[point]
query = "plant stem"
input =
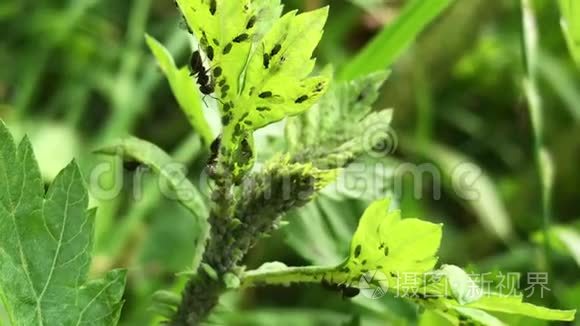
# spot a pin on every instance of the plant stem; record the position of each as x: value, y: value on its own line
x: 122, y: 233
x: 307, y: 274
x: 542, y: 157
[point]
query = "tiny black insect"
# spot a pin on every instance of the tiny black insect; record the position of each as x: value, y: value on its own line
x: 357, y: 251
x: 214, y: 152
x: 265, y: 94
x: 209, y: 52
x: 212, y: 7
x: 276, y: 50
x: 246, y: 150
x: 347, y: 291
x: 301, y: 99
x: 266, y: 60
x: 251, y: 22
x: 241, y: 38
x: 227, y: 48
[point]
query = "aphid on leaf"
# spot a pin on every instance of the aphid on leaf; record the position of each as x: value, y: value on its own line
x: 209, y: 53
x: 357, y: 251
x: 246, y: 149
x: 301, y: 99
x: 241, y: 38
x: 214, y: 152
x: 265, y: 94
x: 227, y: 48
x: 266, y: 60
x: 251, y: 22
x: 212, y: 7
x: 276, y: 50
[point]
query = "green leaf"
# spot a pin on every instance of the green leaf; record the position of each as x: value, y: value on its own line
x: 394, y: 39
x: 514, y: 305
x: 46, y: 243
x: 184, y: 191
x: 467, y: 294
x: 571, y: 26
x: 478, y: 316
x: 183, y: 88
x: 382, y: 242
x: 385, y: 242
x: 342, y: 125
x: 260, y: 66
x: 407, y: 247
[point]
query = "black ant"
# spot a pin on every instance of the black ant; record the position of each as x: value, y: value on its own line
x: 205, y: 81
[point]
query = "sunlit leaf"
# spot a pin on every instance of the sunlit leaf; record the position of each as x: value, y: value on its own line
x: 384, y: 242
x: 400, y: 248
x: 260, y: 75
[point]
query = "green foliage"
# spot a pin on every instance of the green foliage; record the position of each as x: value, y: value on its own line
x: 46, y: 243
x: 564, y: 239
x: 388, y: 45
x: 259, y: 66
x: 341, y: 127
x: 406, y: 248
x: 571, y: 26
x: 385, y: 242
x: 83, y: 71
x: 134, y: 149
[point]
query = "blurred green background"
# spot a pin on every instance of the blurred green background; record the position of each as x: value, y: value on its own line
x: 75, y: 74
